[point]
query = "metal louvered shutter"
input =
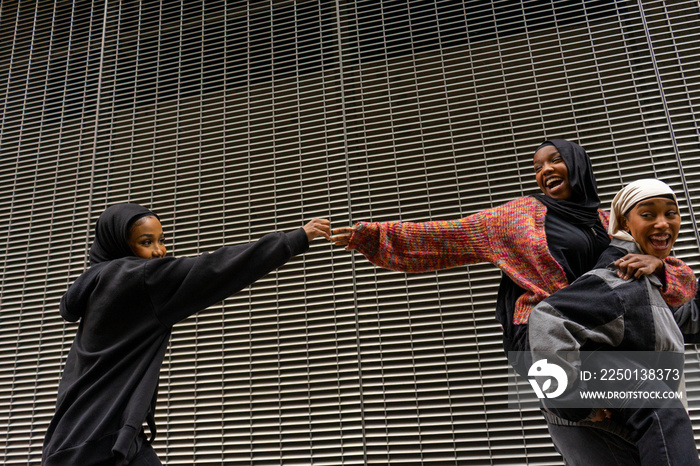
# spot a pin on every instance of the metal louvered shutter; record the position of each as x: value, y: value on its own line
x: 235, y: 119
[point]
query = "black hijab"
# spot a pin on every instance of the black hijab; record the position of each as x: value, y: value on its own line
x: 568, y: 225
x: 582, y: 207
x: 112, y: 230
x: 568, y: 220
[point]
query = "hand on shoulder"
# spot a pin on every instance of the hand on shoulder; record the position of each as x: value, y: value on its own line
x: 638, y: 265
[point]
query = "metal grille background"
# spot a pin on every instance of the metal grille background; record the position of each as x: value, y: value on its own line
x: 235, y: 119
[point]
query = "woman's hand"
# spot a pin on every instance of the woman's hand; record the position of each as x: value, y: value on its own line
x: 637, y: 265
x: 342, y: 236
x: 318, y: 227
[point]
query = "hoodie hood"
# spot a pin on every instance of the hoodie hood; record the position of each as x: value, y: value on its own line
x: 112, y: 229
x: 111, y: 242
x: 74, y: 303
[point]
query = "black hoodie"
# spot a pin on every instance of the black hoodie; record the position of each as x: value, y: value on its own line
x: 127, y: 307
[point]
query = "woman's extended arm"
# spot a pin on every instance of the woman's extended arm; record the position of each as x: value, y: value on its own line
x: 510, y: 236
x: 419, y: 247
x: 179, y: 287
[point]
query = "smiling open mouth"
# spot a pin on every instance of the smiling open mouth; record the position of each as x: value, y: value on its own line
x: 659, y: 242
x: 554, y: 182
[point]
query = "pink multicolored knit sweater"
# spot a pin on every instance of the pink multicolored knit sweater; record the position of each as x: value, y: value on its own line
x: 510, y: 236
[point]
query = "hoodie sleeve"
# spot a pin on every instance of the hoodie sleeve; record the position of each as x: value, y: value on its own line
x: 180, y: 287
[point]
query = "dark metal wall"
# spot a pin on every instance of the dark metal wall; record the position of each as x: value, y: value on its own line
x: 235, y: 119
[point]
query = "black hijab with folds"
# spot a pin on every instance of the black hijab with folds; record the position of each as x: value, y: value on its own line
x: 574, y: 232
x: 112, y: 232
x: 582, y: 207
x: 575, y: 235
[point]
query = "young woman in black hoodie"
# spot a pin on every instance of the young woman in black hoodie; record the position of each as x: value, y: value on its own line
x: 127, y: 303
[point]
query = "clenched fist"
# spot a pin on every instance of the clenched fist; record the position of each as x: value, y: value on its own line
x: 318, y: 227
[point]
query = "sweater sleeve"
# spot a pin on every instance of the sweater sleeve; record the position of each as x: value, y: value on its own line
x: 510, y: 236
x: 422, y: 247
x: 180, y: 287
x: 680, y: 282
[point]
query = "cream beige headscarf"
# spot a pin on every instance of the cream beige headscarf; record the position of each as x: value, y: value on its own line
x: 629, y: 196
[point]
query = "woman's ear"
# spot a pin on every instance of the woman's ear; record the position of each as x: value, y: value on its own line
x: 622, y: 220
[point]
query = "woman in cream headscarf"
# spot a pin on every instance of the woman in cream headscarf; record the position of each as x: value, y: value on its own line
x: 632, y: 196
x: 603, y: 312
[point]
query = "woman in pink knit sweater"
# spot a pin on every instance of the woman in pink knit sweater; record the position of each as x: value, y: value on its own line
x: 540, y: 242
